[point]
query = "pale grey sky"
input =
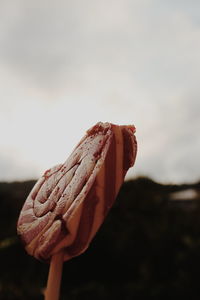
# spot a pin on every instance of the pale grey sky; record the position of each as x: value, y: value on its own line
x: 65, y: 65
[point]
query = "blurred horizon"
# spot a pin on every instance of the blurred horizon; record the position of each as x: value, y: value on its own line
x: 66, y: 65
x: 148, y: 244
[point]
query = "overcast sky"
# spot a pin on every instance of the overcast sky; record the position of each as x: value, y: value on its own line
x: 65, y: 65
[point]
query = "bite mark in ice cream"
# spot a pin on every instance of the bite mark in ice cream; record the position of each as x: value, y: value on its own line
x: 70, y: 201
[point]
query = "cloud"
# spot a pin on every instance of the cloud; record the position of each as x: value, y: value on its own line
x: 145, y: 39
x: 14, y: 166
x: 69, y: 64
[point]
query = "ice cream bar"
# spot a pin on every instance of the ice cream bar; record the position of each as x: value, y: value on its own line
x: 70, y: 201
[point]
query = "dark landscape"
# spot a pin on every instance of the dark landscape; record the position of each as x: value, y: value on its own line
x: 149, y: 245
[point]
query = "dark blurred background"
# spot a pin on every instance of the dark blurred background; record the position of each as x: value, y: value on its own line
x: 149, y: 245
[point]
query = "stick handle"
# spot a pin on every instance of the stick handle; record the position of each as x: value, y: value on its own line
x: 54, y: 278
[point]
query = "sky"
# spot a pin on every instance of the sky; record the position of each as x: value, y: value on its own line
x: 65, y: 65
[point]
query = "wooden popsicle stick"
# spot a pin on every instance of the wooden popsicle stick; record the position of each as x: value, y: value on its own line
x: 55, y: 274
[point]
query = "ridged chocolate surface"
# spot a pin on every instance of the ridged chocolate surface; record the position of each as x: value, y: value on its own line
x: 70, y: 201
